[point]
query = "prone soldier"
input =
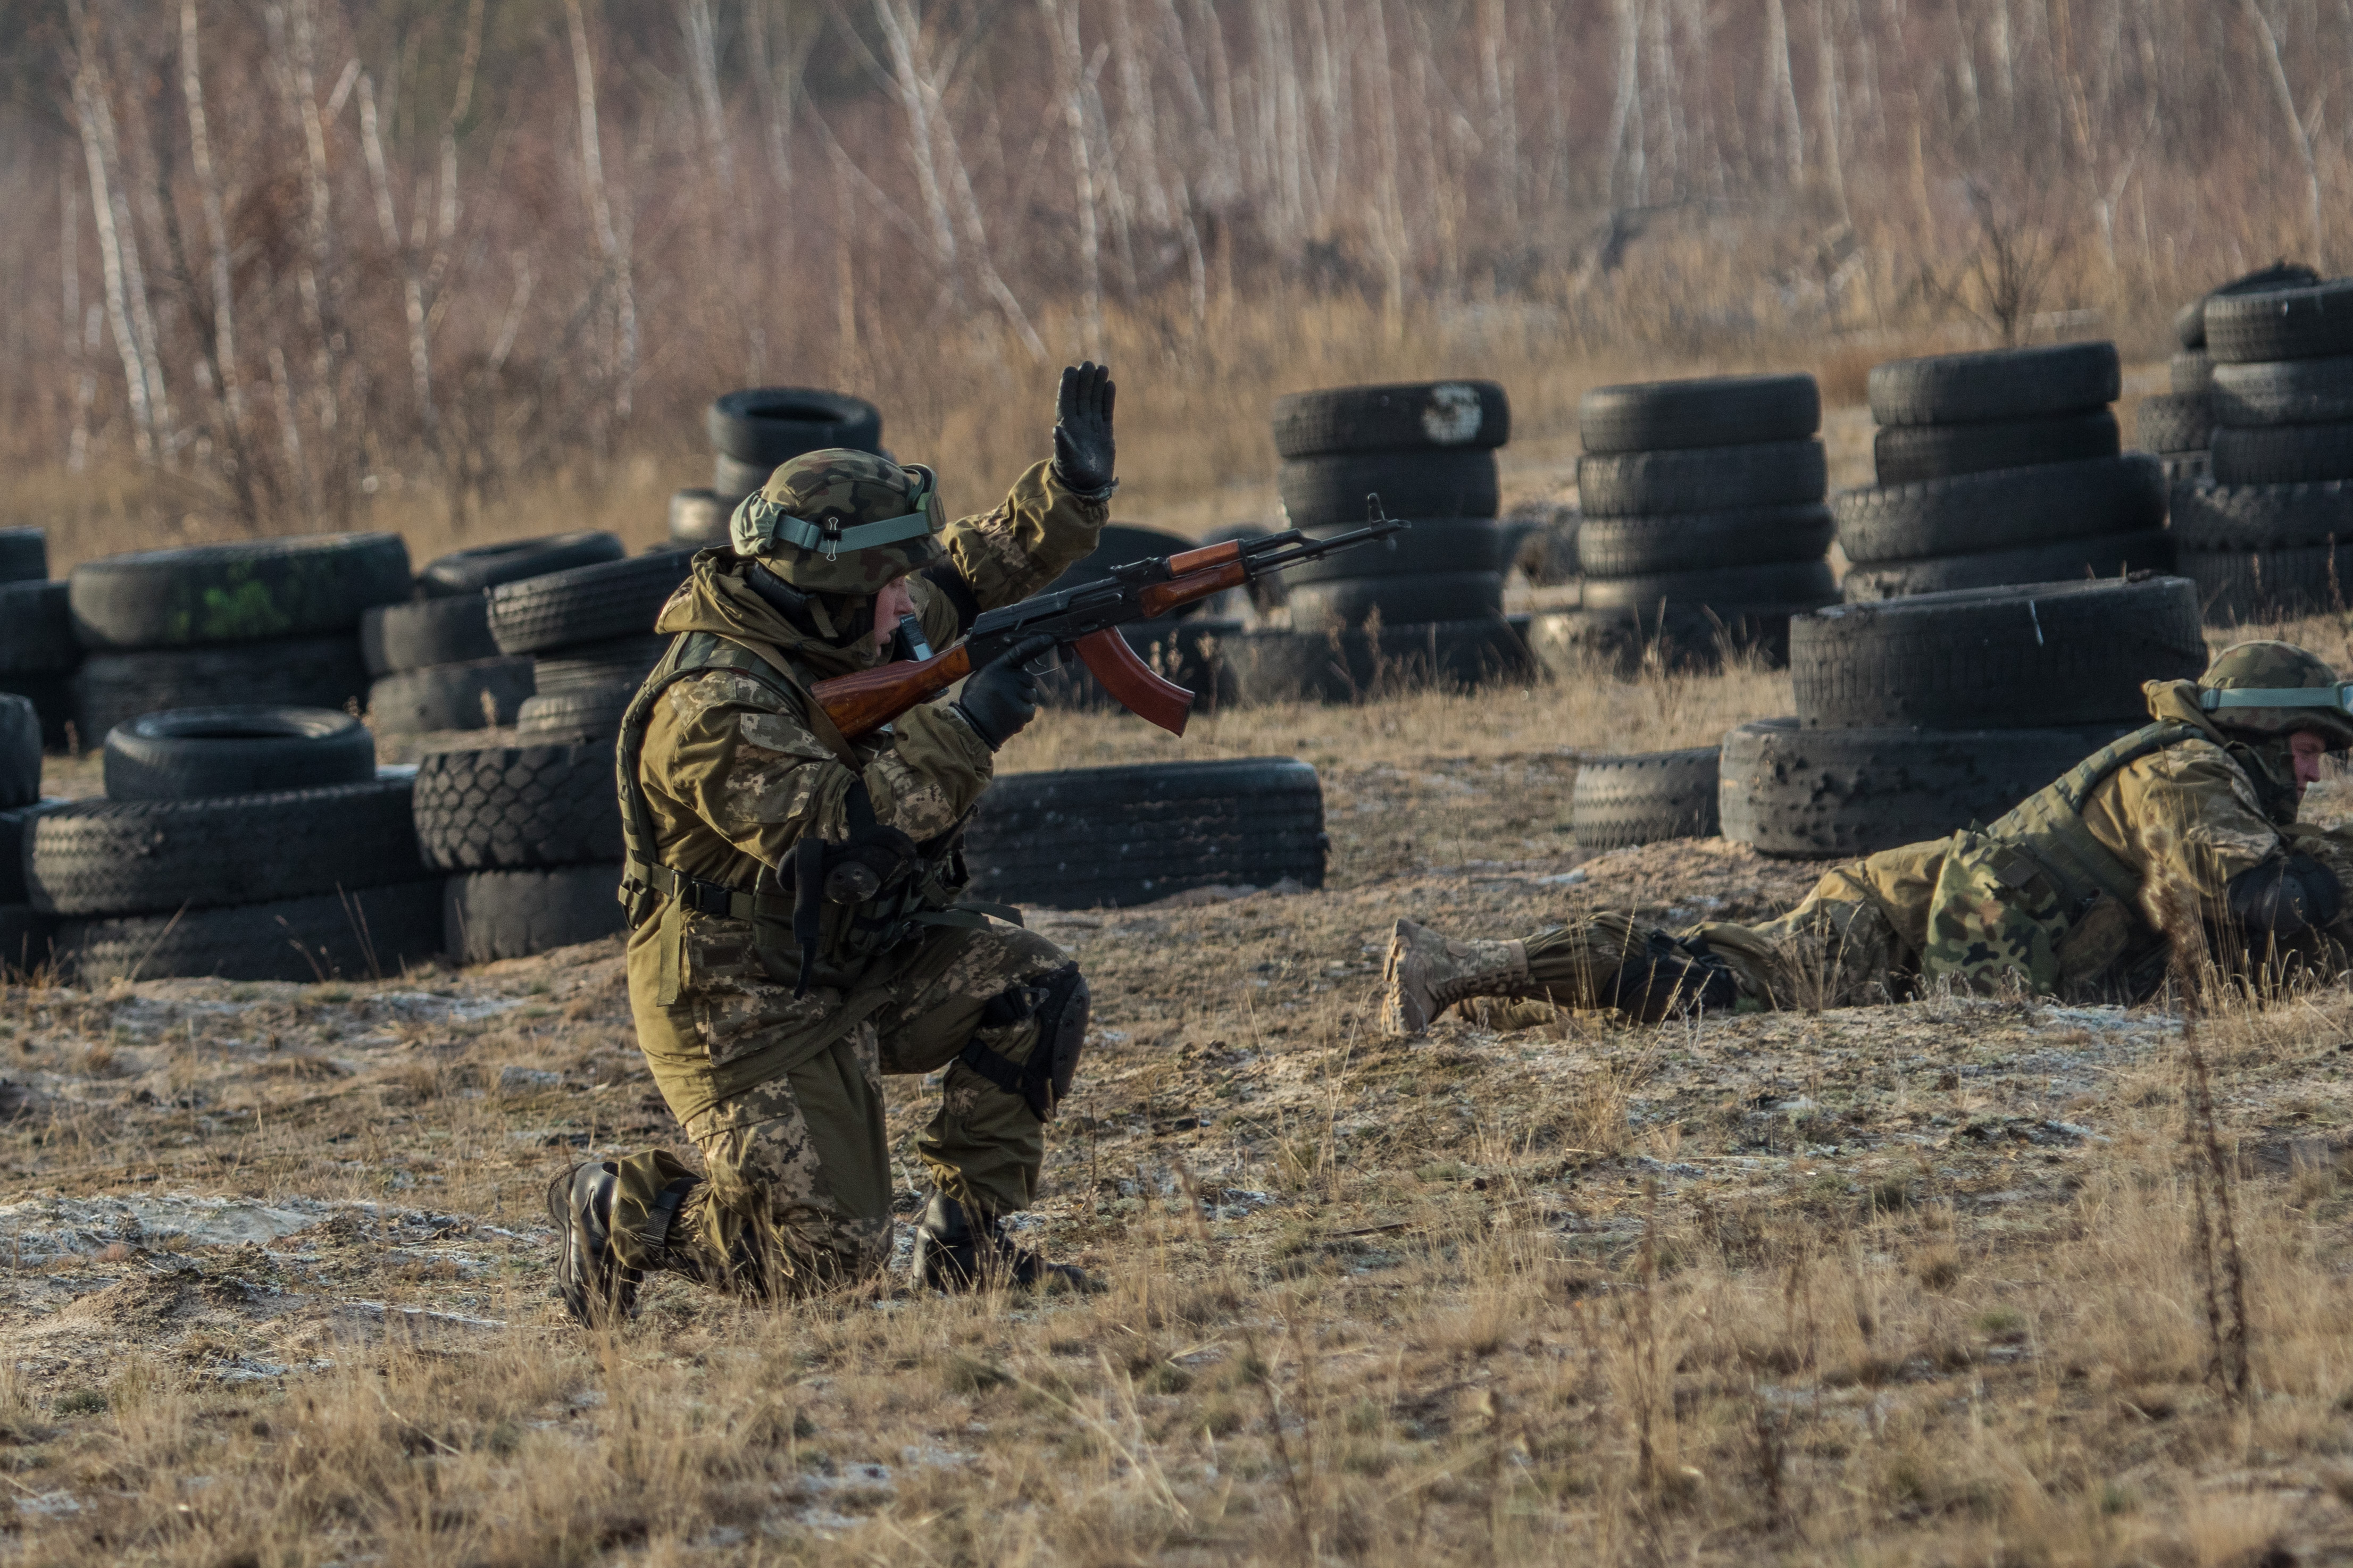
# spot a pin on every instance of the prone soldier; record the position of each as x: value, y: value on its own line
x: 794, y: 932
x: 2184, y: 830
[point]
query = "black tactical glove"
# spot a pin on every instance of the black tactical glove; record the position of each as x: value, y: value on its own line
x: 2281, y: 898
x: 1083, y: 451
x: 1000, y: 698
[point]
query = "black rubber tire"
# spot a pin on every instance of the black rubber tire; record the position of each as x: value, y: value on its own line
x: 2006, y: 509
x: 701, y: 517
x: 767, y: 424
x: 1768, y: 582
x: 491, y: 915
x: 20, y: 753
x: 1574, y: 645
x: 2237, y: 586
x: 2314, y: 321
x: 134, y: 856
x: 1191, y: 653
x: 1317, y: 491
x: 209, y: 594
x: 2191, y: 375
x: 1118, y: 544
x: 24, y: 555
x: 2282, y: 454
x: 1670, y: 541
x: 1620, y: 802
x: 583, y: 713
x: 2053, y: 655
x: 36, y: 630
x: 373, y: 932
x: 518, y: 808
x: 13, y: 829
x: 1398, y: 601
x: 1432, y: 545
x: 1710, y: 411
x: 2189, y: 321
x: 2066, y: 561
x: 624, y: 661
x: 2208, y: 516
x: 1995, y: 384
x: 2173, y: 422
x: 1702, y: 478
x: 481, y: 694
x: 427, y: 632
x: 1913, y: 454
x: 734, y: 477
x: 2284, y: 392
x: 1087, y: 838
x: 300, y: 672
x: 587, y: 603
x: 1420, y: 415
x: 197, y: 753
x: 28, y: 941
x: 2184, y: 469
x: 1808, y: 795
x: 1346, y: 667
x: 52, y: 697
x: 484, y: 566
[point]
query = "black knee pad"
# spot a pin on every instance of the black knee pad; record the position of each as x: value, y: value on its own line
x: 1059, y: 1003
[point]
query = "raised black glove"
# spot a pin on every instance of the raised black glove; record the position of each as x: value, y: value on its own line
x: 1001, y: 697
x: 1084, y: 454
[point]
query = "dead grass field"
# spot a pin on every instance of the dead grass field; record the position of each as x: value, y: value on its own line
x: 1914, y: 1285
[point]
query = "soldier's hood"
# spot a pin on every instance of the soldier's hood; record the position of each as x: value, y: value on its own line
x: 715, y: 599
x: 2267, y: 761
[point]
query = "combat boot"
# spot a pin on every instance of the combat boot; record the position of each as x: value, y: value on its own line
x: 598, y: 1291
x: 950, y: 1255
x: 1425, y: 974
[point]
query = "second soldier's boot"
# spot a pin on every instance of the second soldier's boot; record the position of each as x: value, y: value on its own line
x: 951, y: 1254
x: 597, y: 1290
x: 1425, y: 974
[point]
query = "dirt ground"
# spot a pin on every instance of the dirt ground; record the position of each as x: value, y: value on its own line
x: 1900, y: 1285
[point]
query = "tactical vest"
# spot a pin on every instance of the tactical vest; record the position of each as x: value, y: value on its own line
x: 2049, y: 824
x: 842, y: 903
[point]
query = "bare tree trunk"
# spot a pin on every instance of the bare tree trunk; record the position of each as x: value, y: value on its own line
x: 316, y: 266
x: 1496, y: 77
x: 208, y: 191
x: 902, y: 32
x: 2285, y: 96
x: 73, y: 332
x: 1781, y: 93
x: 1832, y: 110
x: 1070, y: 62
x: 1622, y: 111
x: 1388, y: 211
x: 111, y: 215
x: 412, y: 290
x: 1136, y: 115
x: 779, y: 83
x: 624, y: 367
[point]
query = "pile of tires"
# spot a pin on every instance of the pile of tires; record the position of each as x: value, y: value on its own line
x: 24, y: 929
x: 248, y: 842
x: 1187, y: 647
x: 531, y: 838
x: 2178, y: 423
x: 1999, y: 468
x: 268, y: 621
x: 589, y: 631
x: 1703, y: 527
x: 1918, y: 716
x: 38, y: 654
x: 2270, y: 532
x: 1089, y: 837
x: 435, y: 662
x: 753, y: 430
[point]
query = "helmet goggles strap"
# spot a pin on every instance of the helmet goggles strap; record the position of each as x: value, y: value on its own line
x: 770, y: 526
x: 2336, y: 698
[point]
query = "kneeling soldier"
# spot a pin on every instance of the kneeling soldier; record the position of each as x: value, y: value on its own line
x: 792, y: 894
x: 2186, y: 826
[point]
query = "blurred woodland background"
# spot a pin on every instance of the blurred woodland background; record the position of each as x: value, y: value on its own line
x: 277, y: 265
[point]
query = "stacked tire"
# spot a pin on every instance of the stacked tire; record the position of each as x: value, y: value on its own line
x: 1703, y: 523
x: 24, y: 931
x: 753, y: 430
x: 2178, y: 424
x: 1618, y: 802
x: 2270, y: 532
x: 38, y: 654
x: 1426, y: 604
x: 246, y: 842
x: 268, y: 621
x: 589, y: 631
x: 435, y: 665
x: 531, y: 838
x: 2000, y: 467
x: 1918, y: 716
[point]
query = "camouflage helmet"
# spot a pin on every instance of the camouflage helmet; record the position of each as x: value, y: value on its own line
x: 841, y: 521
x: 2278, y: 688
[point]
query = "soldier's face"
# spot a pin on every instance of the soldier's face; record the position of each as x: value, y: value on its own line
x: 894, y: 601
x: 2307, y: 748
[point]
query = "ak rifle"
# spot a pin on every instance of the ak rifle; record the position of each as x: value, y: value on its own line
x: 1086, y: 620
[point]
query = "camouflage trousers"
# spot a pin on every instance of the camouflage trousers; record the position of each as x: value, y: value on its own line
x: 786, y: 1105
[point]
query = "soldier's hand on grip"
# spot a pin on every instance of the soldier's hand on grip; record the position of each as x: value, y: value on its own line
x: 1000, y: 698
x: 1084, y: 454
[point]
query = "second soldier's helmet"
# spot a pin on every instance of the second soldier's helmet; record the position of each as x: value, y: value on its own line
x: 2276, y: 689
x: 841, y: 521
